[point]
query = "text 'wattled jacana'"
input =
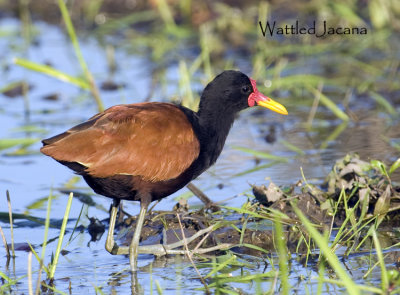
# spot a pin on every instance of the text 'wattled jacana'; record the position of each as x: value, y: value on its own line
x: 147, y: 151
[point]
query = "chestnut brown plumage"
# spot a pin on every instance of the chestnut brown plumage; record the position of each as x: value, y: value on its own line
x: 147, y: 151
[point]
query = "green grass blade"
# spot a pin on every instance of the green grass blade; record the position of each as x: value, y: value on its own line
x: 333, y: 135
x: 292, y: 147
x: 131, y: 19
x: 380, y: 166
x: 29, y: 129
x: 332, y: 259
x: 50, y: 71
x: 166, y: 13
x: 220, y: 266
x: 185, y: 87
x: 321, y: 274
x: 46, y: 269
x: 383, y: 102
x: 79, y: 55
x: 294, y: 81
x: 159, y: 288
x: 243, y: 230
x: 257, y: 168
x: 46, y: 225
x: 224, y: 279
x: 384, y: 276
x: 7, y: 143
x: 345, y: 10
x: 283, y: 259
x: 254, y: 247
x: 205, y: 41
x: 10, y: 216
x: 394, y: 166
x: 54, y: 290
x: 330, y: 104
x: 61, y: 237
x: 8, y: 282
x: 259, y: 154
x: 244, y: 211
x: 369, y: 289
x: 72, y: 35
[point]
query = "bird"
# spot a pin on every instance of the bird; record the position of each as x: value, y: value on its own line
x: 147, y: 151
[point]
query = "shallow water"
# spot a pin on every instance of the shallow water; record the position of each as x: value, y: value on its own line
x: 30, y: 178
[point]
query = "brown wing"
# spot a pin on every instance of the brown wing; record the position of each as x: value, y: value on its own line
x: 152, y: 140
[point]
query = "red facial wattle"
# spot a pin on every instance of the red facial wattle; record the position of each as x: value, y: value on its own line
x: 260, y: 99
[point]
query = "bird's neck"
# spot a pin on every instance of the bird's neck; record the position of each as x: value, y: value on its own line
x: 211, y: 127
x: 214, y: 127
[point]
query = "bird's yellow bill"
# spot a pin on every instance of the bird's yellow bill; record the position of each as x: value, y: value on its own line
x: 273, y: 106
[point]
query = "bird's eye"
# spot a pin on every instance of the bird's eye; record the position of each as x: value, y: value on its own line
x: 245, y: 89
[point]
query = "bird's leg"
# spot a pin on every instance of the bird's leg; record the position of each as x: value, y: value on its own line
x: 122, y: 210
x: 111, y: 246
x: 120, y: 216
x: 134, y: 246
x: 134, y: 249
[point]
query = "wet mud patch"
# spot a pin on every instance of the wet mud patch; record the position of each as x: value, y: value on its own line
x: 355, y: 195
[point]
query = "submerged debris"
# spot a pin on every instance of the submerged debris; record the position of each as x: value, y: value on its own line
x: 110, y: 85
x: 96, y: 229
x: 52, y: 96
x: 16, y: 89
x: 364, y: 184
x: 267, y: 196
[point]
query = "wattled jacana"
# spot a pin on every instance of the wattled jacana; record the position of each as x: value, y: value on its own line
x: 147, y: 151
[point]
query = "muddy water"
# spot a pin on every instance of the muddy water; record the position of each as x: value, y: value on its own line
x: 29, y: 178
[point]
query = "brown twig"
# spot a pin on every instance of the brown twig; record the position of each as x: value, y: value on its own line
x: 189, y: 255
x: 5, y: 243
x: 152, y: 207
x: 201, y: 241
x: 11, y: 223
x: 203, y: 197
x: 314, y: 107
x: 39, y: 278
x: 168, y: 249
